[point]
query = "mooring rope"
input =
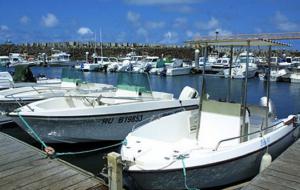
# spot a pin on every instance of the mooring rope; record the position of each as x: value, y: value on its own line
x: 182, y: 157
x: 51, y: 152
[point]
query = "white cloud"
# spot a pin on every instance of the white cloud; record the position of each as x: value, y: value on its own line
x: 180, y: 22
x: 50, y: 20
x: 170, y: 38
x: 84, y: 31
x: 283, y: 23
x: 155, y: 25
x: 3, y: 28
x: 121, y: 37
x: 185, y: 9
x: 142, y: 32
x: 133, y: 17
x: 213, y: 23
x: 191, y: 34
x: 24, y: 20
x: 221, y: 31
x: 160, y: 2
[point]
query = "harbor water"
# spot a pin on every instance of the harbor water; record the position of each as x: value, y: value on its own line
x: 285, y: 97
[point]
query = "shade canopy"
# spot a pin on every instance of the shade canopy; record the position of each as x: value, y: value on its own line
x: 225, y: 42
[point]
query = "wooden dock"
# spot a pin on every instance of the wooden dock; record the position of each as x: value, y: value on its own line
x: 25, y: 167
x: 283, y: 173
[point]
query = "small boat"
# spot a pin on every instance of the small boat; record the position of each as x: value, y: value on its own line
x: 17, y: 59
x: 221, y: 143
x: 274, y: 74
x: 59, y: 58
x: 295, y: 75
x: 14, y: 98
x: 23, y: 77
x: 105, y: 116
x: 239, y: 71
x: 285, y: 62
x: 159, y: 153
x: 4, y: 61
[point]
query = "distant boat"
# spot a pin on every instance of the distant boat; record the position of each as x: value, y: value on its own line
x: 13, y: 98
x: 106, y: 116
x: 4, y: 61
x: 59, y: 58
x: 275, y: 74
x: 16, y: 59
x: 239, y: 71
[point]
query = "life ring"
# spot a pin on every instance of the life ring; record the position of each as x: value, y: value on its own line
x: 49, y: 150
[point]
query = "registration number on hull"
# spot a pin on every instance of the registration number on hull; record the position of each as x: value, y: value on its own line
x: 125, y: 119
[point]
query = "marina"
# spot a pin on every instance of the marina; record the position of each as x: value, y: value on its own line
x: 150, y: 95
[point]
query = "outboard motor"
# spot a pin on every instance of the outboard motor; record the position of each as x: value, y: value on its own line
x: 263, y: 102
x: 188, y: 93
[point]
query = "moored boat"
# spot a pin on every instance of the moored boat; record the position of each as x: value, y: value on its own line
x: 105, y: 116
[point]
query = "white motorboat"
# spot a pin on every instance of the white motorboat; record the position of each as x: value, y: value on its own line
x: 99, y: 63
x: 177, y: 67
x: 59, y: 58
x: 285, y: 62
x: 239, y: 71
x: 17, y: 59
x: 4, y: 61
x: 146, y: 64
x: 274, y: 74
x: 296, y: 62
x: 221, y: 63
x: 221, y: 143
x: 7, y: 81
x: 295, y: 75
x: 106, y: 116
x: 157, y: 153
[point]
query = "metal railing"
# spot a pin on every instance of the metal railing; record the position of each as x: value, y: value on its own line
x: 246, y: 135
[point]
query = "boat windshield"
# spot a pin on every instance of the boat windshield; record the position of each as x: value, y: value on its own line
x: 137, y: 82
x: 72, y: 75
x: 219, y: 89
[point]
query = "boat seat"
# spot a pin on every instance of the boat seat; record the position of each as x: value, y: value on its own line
x: 219, y: 121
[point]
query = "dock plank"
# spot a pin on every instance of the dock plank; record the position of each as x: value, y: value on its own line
x: 25, y: 167
x: 49, y: 180
x: 283, y: 173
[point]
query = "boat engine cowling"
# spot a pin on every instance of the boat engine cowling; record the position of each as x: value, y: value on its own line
x: 263, y: 102
x: 188, y: 93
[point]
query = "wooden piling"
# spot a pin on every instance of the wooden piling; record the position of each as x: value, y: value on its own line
x: 115, y: 177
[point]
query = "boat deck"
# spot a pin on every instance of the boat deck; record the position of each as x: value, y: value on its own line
x: 283, y: 173
x: 25, y: 167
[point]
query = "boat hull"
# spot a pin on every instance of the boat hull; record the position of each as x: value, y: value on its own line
x: 90, y: 128
x: 208, y: 176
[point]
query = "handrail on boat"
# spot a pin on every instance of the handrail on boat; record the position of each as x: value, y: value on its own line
x: 233, y: 138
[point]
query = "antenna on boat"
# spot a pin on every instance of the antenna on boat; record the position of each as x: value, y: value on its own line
x: 95, y: 52
x: 100, y: 33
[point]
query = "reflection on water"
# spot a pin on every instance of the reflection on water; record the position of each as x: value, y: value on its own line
x: 284, y: 95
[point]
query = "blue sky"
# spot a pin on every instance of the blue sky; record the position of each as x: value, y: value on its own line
x: 142, y: 21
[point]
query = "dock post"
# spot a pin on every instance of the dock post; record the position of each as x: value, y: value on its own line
x: 115, y: 177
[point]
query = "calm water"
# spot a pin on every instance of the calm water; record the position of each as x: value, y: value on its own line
x: 285, y: 96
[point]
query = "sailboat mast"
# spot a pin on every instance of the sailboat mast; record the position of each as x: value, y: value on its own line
x: 101, y: 42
